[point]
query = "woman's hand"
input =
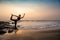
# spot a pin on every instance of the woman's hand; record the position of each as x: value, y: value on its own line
x: 23, y: 16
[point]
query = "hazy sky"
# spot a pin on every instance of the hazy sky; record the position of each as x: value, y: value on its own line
x: 34, y: 9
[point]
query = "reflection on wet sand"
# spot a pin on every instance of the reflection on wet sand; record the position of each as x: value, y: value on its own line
x: 31, y: 35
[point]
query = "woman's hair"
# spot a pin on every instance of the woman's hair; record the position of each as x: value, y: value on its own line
x: 19, y: 15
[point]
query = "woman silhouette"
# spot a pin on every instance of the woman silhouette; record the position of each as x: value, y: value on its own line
x: 15, y: 20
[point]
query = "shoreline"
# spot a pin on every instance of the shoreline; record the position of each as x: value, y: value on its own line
x: 43, y: 29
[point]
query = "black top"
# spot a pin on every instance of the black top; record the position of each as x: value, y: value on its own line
x: 18, y: 18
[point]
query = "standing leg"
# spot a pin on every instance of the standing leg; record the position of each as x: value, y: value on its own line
x: 15, y: 24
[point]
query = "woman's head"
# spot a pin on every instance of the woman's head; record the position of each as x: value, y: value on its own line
x: 19, y: 15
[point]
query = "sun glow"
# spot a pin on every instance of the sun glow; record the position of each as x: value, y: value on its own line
x: 18, y: 10
x: 20, y: 32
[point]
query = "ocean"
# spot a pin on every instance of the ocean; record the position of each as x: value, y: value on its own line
x: 38, y: 24
x: 30, y: 30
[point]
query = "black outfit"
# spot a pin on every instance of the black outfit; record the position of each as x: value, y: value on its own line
x: 15, y: 20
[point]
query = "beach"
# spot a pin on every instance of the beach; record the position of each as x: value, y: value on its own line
x: 43, y: 34
x: 29, y: 20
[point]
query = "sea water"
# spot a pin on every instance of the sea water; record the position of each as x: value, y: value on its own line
x: 32, y: 34
x: 38, y: 24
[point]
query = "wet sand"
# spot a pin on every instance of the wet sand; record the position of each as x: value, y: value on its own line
x: 43, y: 34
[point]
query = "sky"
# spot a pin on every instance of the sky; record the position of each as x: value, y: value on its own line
x: 33, y: 9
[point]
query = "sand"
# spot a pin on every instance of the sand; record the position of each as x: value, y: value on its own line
x: 42, y: 34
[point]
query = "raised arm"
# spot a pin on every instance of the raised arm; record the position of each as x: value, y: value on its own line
x: 23, y: 15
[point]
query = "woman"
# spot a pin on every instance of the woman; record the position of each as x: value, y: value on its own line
x: 15, y: 20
